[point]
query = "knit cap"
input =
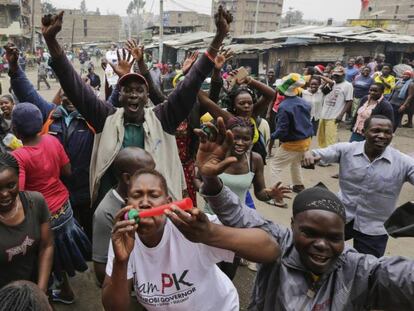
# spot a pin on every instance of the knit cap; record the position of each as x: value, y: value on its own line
x: 318, y: 198
x: 27, y: 119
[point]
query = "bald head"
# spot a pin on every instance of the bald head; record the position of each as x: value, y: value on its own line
x: 131, y: 159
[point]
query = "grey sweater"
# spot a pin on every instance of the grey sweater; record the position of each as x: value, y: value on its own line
x: 355, y: 282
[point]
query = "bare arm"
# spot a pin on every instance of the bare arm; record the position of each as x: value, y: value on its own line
x: 66, y: 170
x: 99, y: 269
x: 346, y: 108
x: 116, y: 288
x: 211, y: 107
x: 45, y: 256
x: 410, y: 99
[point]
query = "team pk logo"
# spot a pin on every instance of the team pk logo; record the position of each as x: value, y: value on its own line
x: 168, y: 281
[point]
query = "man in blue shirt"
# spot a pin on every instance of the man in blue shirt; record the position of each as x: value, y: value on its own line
x: 351, y: 71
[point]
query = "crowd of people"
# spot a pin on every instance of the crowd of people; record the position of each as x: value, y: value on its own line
x: 72, y: 169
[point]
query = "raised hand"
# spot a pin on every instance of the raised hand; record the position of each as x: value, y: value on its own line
x: 125, y: 62
x: 104, y: 63
x: 123, y: 235
x: 193, y: 224
x: 222, y: 20
x: 278, y: 192
x: 137, y: 51
x: 52, y: 25
x: 189, y: 61
x: 222, y: 57
x: 215, y: 142
x: 12, y: 54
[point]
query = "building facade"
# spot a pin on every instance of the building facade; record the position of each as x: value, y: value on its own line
x: 244, y: 14
x: 385, y: 9
x: 16, y: 18
x: 177, y: 19
x: 90, y: 27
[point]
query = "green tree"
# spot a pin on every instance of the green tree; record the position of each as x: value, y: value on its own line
x: 83, y: 7
x: 48, y: 8
x: 293, y: 17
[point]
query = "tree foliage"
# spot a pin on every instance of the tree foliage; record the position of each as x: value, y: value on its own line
x: 48, y: 8
x: 293, y: 17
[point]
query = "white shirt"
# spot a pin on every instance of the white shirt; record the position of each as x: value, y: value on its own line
x: 111, y: 76
x: 179, y: 275
x: 316, y: 102
x: 335, y: 101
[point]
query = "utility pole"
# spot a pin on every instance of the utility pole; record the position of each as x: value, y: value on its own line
x: 161, y: 29
x: 73, y: 34
x: 256, y: 17
x: 33, y: 28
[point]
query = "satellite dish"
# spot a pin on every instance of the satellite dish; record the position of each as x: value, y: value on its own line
x: 378, y: 13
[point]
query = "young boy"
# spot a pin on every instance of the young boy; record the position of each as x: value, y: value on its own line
x: 171, y: 262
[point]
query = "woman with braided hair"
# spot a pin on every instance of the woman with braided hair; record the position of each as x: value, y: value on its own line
x: 26, y: 244
x: 23, y: 296
x: 248, y: 170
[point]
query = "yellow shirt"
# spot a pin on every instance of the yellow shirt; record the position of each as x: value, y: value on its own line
x: 389, y: 80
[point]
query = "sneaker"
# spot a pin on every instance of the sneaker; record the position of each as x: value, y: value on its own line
x: 56, y: 297
x: 252, y: 266
x: 298, y: 188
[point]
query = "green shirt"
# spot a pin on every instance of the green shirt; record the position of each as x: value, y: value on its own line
x: 134, y: 137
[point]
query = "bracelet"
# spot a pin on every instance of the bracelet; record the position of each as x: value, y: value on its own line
x: 213, y: 48
x: 209, y: 56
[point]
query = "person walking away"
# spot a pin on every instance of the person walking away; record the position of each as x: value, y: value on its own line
x: 42, y: 73
x: 294, y: 131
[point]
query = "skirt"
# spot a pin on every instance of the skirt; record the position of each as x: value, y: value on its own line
x: 72, y: 246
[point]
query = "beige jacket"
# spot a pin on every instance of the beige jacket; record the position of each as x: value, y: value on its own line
x: 161, y: 145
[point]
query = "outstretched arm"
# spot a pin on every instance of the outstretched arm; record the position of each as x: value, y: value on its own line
x: 182, y: 99
x: 21, y: 86
x: 93, y: 109
x: 196, y: 227
x: 211, y: 107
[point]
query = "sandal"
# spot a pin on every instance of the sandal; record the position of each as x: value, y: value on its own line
x: 278, y: 204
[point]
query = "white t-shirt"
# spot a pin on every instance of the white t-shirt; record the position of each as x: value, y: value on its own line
x: 111, y: 76
x: 316, y: 102
x: 335, y: 101
x: 179, y: 275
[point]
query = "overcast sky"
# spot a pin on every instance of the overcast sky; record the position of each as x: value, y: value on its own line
x: 313, y: 9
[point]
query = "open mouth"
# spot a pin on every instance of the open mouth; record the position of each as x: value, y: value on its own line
x: 380, y: 143
x: 318, y: 259
x: 133, y: 107
x: 6, y: 203
x: 239, y: 150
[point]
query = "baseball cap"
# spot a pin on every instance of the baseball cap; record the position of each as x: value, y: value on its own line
x: 132, y: 76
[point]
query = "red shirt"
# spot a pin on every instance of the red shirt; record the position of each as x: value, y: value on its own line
x: 40, y: 168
